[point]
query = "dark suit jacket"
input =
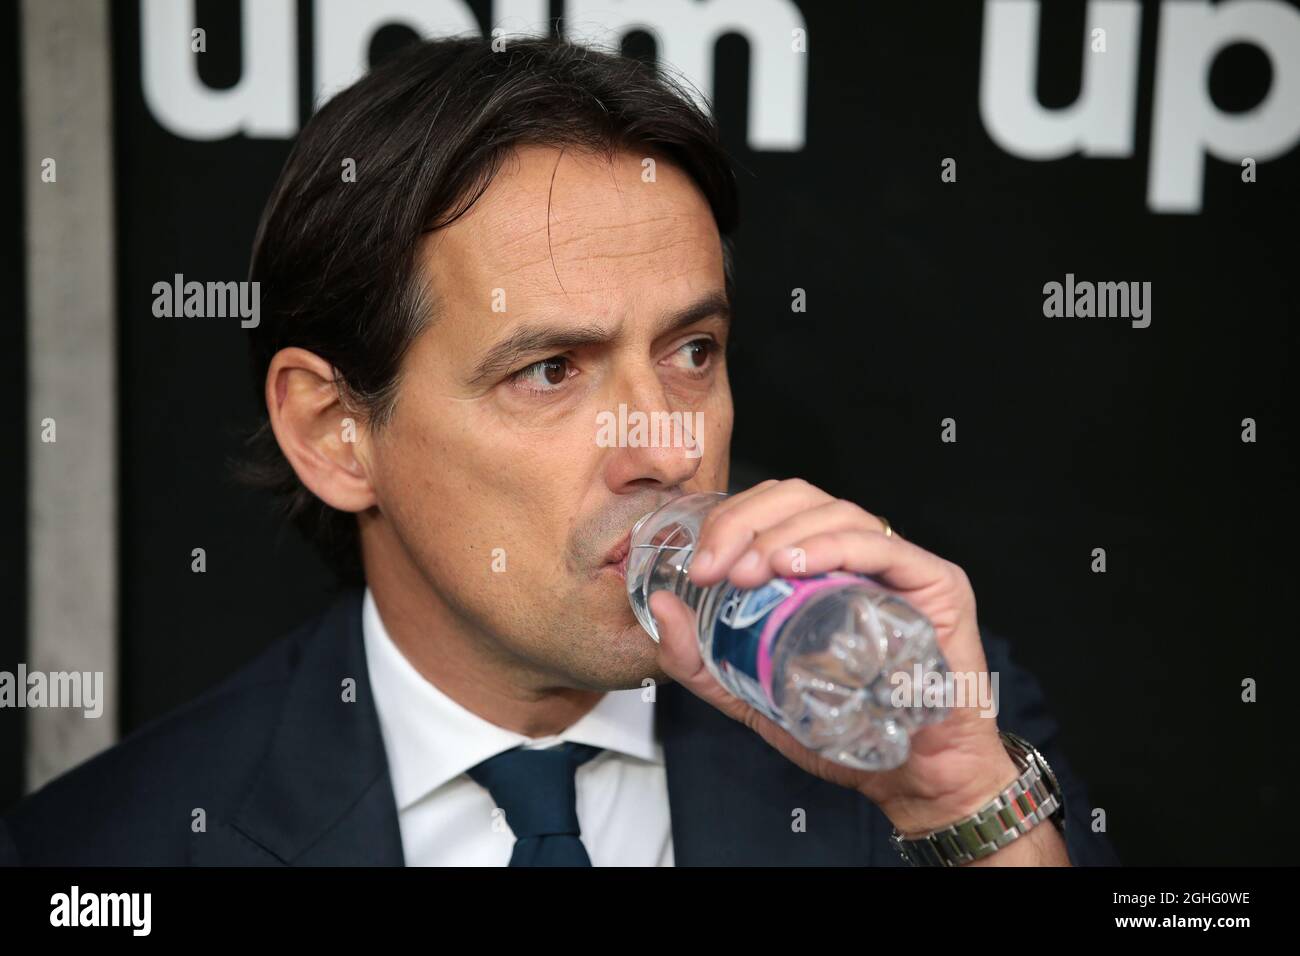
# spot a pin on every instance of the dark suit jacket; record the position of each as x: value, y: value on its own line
x: 286, y: 772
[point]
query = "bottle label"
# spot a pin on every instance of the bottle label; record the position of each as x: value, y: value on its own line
x: 748, y: 625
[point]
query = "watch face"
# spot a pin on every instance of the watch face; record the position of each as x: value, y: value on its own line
x: 1058, y: 816
x: 1047, y: 772
x: 1033, y: 754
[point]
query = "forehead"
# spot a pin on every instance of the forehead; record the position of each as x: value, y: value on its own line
x: 559, y: 231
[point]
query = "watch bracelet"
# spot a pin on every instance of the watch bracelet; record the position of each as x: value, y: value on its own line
x: 1019, y: 807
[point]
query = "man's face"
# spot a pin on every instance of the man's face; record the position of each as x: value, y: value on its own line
x: 505, y: 466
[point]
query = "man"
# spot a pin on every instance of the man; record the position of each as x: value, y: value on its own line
x: 532, y: 239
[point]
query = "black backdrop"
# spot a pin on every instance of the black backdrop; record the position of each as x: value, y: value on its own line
x: 924, y: 302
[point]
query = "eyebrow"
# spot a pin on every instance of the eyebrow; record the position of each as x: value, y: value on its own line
x: 550, y: 339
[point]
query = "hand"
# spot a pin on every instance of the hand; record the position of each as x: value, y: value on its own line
x: 956, y: 765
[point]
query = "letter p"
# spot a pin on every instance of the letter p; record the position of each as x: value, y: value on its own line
x: 1188, y: 125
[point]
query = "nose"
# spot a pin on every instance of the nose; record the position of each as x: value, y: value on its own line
x: 648, y: 441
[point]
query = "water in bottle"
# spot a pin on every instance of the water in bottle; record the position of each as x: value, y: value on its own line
x: 828, y: 656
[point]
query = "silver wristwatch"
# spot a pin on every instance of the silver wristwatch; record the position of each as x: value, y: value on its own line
x: 1031, y: 798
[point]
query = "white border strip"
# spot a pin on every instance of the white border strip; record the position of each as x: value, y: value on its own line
x: 72, y: 378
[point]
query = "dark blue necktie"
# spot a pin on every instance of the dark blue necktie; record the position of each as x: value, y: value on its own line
x: 535, y: 788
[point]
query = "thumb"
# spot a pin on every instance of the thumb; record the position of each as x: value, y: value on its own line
x: 679, y: 649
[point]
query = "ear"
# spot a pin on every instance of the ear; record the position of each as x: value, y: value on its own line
x: 312, y: 427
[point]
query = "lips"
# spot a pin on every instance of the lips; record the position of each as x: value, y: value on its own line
x: 617, y: 555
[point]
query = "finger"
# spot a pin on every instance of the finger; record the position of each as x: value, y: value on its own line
x: 892, y: 561
x: 755, y: 566
x: 728, y: 528
x: 732, y: 500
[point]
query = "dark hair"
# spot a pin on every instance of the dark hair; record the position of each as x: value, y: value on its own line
x: 428, y: 129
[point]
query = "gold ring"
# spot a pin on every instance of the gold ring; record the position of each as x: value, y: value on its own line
x: 889, y: 528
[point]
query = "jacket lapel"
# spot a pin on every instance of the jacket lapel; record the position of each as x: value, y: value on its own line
x: 322, y: 795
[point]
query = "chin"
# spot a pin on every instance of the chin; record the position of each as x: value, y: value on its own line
x: 623, y: 661
x: 635, y: 679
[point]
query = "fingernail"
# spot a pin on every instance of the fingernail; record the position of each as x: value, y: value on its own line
x: 702, y: 561
x: 749, y: 562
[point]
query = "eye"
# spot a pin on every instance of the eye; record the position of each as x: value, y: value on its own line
x: 701, y: 351
x: 543, y: 373
x: 548, y: 376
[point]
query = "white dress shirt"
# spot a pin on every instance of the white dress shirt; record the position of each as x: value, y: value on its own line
x: 448, y: 819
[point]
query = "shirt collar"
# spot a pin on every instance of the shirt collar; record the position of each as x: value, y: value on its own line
x: 430, y: 739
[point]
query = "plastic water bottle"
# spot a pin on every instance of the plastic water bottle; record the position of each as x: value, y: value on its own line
x: 828, y: 657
